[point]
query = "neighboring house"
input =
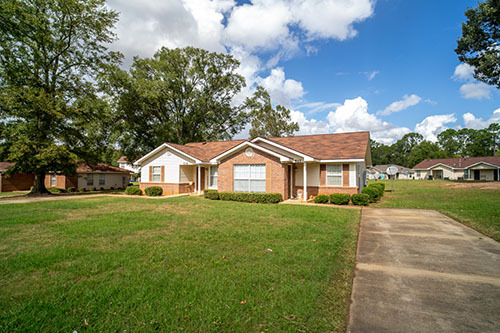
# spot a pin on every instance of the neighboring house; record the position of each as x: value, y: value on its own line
x: 320, y: 164
x: 16, y: 181
x: 87, y: 177
x: 380, y: 172
x: 125, y: 164
x: 470, y: 168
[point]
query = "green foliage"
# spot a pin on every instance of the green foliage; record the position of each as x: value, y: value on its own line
x: 379, y: 190
x: 380, y: 185
x: 56, y: 190
x: 132, y: 190
x: 180, y: 96
x: 478, y: 46
x: 71, y: 189
x: 51, y: 53
x: 340, y: 198
x: 153, y: 191
x: 322, y: 198
x: 251, y: 197
x: 211, y: 194
x: 266, y: 121
x: 360, y: 199
x: 372, y: 192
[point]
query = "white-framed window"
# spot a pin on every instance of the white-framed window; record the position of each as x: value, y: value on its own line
x: 214, y: 173
x: 53, y: 180
x: 156, y: 174
x: 418, y: 173
x: 334, y: 175
x: 250, y: 178
x: 124, y: 180
x: 90, y: 179
x: 102, y: 179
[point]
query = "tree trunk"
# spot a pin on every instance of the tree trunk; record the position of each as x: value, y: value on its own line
x: 39, y: 187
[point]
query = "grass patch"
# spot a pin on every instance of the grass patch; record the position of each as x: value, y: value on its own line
x: 473, y: 206
x: 3, y: 194
x: 115, y: 264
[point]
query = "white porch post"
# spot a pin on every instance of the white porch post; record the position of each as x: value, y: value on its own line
x: 199, y: 179
x: 305, y: 181
x: 291, y: 180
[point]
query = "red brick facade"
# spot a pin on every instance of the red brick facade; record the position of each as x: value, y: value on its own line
x: 276, y: 172
x: 317, y: 190
x: 62, y: 181
x: 170, y: 188
x: 17, y: 182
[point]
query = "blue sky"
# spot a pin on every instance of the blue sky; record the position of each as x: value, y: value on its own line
x: 340, y: 65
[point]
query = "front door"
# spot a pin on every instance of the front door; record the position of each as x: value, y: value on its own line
x: 477, y: 174
x: 495, y: 174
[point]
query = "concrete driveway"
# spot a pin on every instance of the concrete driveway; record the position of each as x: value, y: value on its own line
x: 420, y: 271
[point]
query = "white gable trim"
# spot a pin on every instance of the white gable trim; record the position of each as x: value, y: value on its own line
x: 438, y: 164
x: 306, y: 158
x: 252, y: 145
x: 347, y: 160
x: 160, y: 148
x: 492, y: 165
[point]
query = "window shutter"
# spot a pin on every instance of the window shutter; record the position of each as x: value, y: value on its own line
x: 162, y: 174
x: 150, y: 173
x: 322, y: 175
x: 345, y: 175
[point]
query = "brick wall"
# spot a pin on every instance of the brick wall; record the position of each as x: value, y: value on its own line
x: 17, y: 182
x: 276, y: 172
x: 170, y: 188
x: 60, y: 181
x: 317, y: 190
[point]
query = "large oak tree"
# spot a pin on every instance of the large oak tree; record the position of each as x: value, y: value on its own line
x: 51, y: 52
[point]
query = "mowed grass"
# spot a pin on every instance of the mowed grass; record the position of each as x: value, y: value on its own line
x: 180, y: 264
x: 475, y: 207
x: 3, y: 194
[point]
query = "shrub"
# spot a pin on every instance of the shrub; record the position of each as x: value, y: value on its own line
x: 381, y: 185
x: 372, y: 192
x: 133, y: 191
x: 251, y: 197
x: 83, y: 189
x: 211, y: 194
x: 153, y: 191
x: 340, y: 198
x: 360, y: 199
x: 71, y: 189
x: 56, y: 190
x: 94, y: 189
x: 322, y: 199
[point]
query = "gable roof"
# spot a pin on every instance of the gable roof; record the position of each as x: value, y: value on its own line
x: 4, y: 166
x: 122, y: 159
x: 205, y: 151
x: 383, y: 168
x: 458, y: 163
x: 99, y: 168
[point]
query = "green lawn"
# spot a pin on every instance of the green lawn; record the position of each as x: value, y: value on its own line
x: 2, y: 194
x: 475, y: 207
x: 133, y: 264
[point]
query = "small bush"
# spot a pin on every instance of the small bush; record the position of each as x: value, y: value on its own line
x: 71, y: 189
x: 56, y: 190
x: 381, y: 185
x: 94, y: 189
x: 133, y: 191
x: 251, y: 197
x: 83, y: 189
x: 340, y: 198
x: 372, y: 192
x: 153, y: 191
x: 322, y: 199
x: 360, y: 199
x: 211, y: 194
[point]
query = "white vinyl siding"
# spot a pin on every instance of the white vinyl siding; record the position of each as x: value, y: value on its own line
x: 334, y: 175
x: 352, y: 175
x: 156, y: 174
x: 250, y: 178
x: 214, y: 172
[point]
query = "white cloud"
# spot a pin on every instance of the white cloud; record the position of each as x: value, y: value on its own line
x: 463, y: 72
x: 470, y: 121
x: 316, y: 107
x: 431, y: 126
x: 370, y: 75
x: 478, y: 90
x: 406, y: 102
x: 282, y: 90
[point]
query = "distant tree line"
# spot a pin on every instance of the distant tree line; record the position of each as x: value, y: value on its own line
x: 411, y: 149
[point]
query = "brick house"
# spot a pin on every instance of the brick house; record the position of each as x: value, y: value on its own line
x: 320, y: 164
x: 16, y: 181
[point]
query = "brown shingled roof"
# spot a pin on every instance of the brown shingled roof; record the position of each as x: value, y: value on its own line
x: 458, y: 163
x: 4, y: 166
x: 329, y: 146
x: 122, y: 159
x: 205, y: 151
x: 99, y: 168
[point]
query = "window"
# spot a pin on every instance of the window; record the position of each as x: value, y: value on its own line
x: 334, y: 175
x: 124, y: 181
x: 214, y: 172
x: 250, y: 178
x: 157, y: 174
x: 418, y: 173
x: 102, y: 179
x: 53, y: 180
x: 90, y: 179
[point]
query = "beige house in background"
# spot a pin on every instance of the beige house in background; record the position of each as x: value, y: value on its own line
x: 297, y: 167
x: 380, y: 172
x: 467, y: 168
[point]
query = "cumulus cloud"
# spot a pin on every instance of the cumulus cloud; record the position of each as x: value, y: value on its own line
x: 282, y: 90
x: 406, y: 102
x: 431, y: 126
x: 470, y: 121
x: 472, y: 89
x: 478, y: 90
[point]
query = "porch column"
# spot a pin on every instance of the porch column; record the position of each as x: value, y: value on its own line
x: 291, y: 180
x: 199, y: 179
x: 305, y: 182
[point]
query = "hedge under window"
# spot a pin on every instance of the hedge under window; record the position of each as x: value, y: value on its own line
x: 334, y: 175
x: 250, y: 178
x: 156, y: 174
